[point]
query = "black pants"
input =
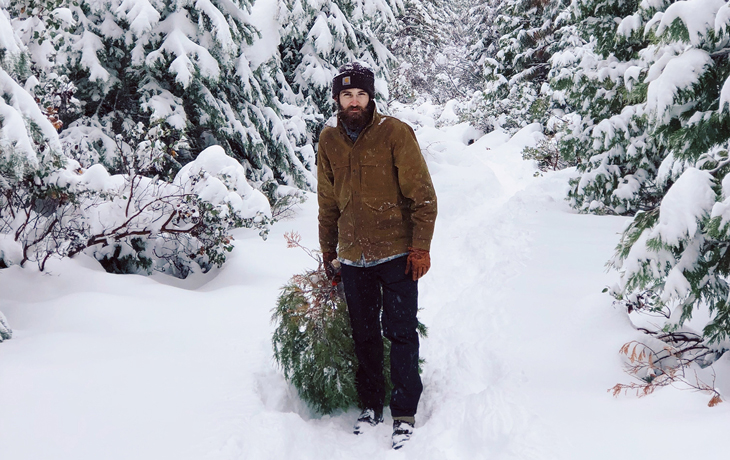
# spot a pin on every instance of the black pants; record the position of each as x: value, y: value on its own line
x: 387, y: 287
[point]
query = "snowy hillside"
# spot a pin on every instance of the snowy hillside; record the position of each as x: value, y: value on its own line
x: 522, y: 345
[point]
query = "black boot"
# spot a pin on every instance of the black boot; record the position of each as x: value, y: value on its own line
x: 402, y: 431
x: 367, y: 418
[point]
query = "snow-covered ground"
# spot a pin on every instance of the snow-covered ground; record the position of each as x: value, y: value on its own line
x: 522, y: 344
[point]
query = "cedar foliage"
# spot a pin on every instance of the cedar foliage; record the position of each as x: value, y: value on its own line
x: 313, y: 341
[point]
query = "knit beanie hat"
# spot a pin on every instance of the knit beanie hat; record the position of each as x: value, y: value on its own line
x: 354, y: 75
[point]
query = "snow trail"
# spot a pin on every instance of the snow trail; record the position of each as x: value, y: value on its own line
x: 471, y: 399
x: 468, y: 408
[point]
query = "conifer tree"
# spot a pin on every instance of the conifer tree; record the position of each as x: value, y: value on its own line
x: 5, y: 331
x: 431, y: 60
x: 483, y: 36
x: 318, y: 36
x: 600, y: 79
x: 527, y: 33
x: 313, y: 340
x: 177, y: 72
x: 29, y: 144
x: 675, y: 254
x: 50, y: 204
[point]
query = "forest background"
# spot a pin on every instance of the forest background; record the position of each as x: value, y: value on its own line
x: 142, y: 132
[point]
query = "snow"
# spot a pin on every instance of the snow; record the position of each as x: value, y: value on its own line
x: 685, y: 203
x: 629, y: 25
x: 521, y: 351
x: 10, y: 250
x: 64, y: 15
x: 631, y: 75
x: 680, y: 72
x: 222, y: 180
x: 14, y: 135
x: 221, y: 28
x: 321, y: 36
x: 89, y: 44
x: 698, y: 17
x: 449, y: 116
x: 725, y: 96
x: 98, y: 178
x: 722, y: 19
x: 165, y: 106
x: 8, y: 40
x: 190, y: 57
x: 142, y: 16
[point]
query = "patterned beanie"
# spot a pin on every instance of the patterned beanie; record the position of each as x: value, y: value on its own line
x: 354, y: 75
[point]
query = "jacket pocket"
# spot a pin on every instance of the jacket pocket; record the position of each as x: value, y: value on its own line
x: 378, y: 178
x: 385, y: 214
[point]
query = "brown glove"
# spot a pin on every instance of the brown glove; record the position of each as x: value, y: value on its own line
x: 331, y: 269
x: 418, y: 263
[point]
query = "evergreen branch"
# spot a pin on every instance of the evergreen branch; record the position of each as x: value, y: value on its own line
x: 720, y: 54
x: 721, y: 164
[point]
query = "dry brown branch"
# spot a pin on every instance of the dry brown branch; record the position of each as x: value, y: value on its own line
x: 669, y: 366
x: 294, y: 239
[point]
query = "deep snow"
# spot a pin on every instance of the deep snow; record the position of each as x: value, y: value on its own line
x: 522, y: 345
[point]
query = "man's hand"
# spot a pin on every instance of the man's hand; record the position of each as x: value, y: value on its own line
x: 332, y: 271
x: 418, y: 263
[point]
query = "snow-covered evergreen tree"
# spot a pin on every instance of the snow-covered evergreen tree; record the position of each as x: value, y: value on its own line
x: 675, y: 253
x: 171, y: 78
x: 5, y: 331
x: 318, y: 36
x: 483, y: 36
x: 29, y: 145
x: 528, y: 33
x: 52, y: 205
x: 430, y: 53
x: 27, y: 138
x: 600, y: 79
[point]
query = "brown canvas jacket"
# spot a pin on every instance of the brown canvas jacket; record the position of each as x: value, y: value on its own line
x: 375, y: 196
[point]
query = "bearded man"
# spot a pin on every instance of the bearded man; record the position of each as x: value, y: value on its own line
x: 377, y: 209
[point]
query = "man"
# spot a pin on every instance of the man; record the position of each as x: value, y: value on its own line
x: 377, y: 209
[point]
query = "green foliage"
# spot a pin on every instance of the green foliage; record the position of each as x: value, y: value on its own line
x: 202, y: 93
x: 520, y: 38
x: 598, y: 20
x: 530, y: 33
x: 608, y: 130
x: 132, y: 263
x: 547, y: 155
x: 313, y: 342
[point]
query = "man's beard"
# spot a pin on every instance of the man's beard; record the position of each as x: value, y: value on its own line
x: 356, y: 120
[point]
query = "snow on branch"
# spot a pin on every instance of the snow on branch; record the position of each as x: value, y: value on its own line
x: 698, y: 16
x: 146, y: 223
x: 142, y: 16
x: 89, y: 44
